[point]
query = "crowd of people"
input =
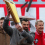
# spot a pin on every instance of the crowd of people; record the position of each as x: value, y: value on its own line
x: 21, y: 35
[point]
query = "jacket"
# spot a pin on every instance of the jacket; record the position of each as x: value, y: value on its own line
x: 39, y: 38
x: 16, y: 36
x: 4, y: 38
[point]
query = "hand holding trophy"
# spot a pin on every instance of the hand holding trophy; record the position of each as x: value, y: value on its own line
x: 11, y: 8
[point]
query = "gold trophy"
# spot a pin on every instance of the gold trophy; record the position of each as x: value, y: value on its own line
x: 13, y: 10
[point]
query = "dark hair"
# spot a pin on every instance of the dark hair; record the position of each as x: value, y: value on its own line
x: 24, y: 19
x: 2, y: 18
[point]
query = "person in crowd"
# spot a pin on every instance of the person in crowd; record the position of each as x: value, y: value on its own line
x: 4, y: 37
x: 39, y: 34
x: 17, y: 34
x: 25, y: 24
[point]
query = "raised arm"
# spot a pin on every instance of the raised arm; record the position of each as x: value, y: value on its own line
x: 6, y: 27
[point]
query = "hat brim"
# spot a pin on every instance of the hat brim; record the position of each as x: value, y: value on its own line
x: 21, y: 17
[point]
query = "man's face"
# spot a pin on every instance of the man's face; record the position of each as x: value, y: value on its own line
x: 25, y: 25
x: 40, y: 27
x: 1, y: 23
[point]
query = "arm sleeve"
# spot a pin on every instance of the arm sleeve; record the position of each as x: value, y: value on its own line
x: 6, y: 27
x: 29, y: 38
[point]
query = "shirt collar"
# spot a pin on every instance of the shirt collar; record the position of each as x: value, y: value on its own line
x: 39, y: 33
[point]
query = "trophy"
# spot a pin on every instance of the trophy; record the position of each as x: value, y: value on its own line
x: 13, y: 10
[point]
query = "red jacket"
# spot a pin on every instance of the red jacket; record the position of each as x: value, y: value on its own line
x: 39, y: 39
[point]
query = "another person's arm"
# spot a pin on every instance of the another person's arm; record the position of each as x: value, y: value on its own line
x: 29, y: 37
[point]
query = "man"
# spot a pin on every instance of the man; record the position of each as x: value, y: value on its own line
x: 39, y: 35
x: 4, y: 38
x: 17, y: 34
x: 25, y: 24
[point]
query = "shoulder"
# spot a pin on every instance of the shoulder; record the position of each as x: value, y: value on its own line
x: 14, y: 29
x: 32, y: 33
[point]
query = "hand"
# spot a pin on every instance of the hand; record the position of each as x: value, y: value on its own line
x: 19, y: 27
